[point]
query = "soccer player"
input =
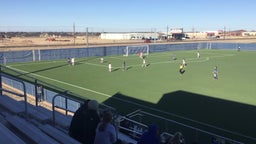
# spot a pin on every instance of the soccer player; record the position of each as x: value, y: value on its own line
x: 101, y: 60
x: 141, y: 55
x: 198, y: 54
x: 72, y: 61
x: 181, y: 70
x: 69, y: 62
x: 215, y: 73
x: 174, y: 57
x: 110, y: 67
x: 143, y: 62
x: 184, y: 62
x: 124, y: 66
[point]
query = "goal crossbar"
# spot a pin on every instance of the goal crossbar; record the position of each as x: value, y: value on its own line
x: 135, y: 49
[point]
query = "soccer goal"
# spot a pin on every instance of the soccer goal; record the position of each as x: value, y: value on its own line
x: 131, y: 50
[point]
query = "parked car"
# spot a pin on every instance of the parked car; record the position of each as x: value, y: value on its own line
x: 147, y: 41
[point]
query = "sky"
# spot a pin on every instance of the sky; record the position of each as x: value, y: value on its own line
x: 127, y: 15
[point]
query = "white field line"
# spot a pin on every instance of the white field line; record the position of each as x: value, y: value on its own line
x: 37, y: 63
x: 99, y: 65
x: 132, y: 57
x: 202, y: 59
x: 192, y: 60
x: 69, y: 84
x: 135, y: 56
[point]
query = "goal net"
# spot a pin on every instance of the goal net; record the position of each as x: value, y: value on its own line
x: 131, y: 50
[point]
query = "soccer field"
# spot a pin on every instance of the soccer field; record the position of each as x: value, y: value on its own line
x: 193, y: 98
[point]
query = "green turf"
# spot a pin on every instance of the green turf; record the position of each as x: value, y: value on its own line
x: 228, y: 103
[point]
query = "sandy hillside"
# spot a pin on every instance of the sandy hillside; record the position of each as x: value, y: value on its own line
x: 21, y: 43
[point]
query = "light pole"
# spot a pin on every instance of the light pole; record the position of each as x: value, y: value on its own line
x: 224, y: 33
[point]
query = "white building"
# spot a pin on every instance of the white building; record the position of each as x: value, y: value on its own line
x: 249, y: 33
x: 116, y: 36
x: 128, y: 36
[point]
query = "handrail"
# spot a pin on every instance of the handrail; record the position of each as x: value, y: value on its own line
x: 191, y: 127
x: 125, y: 118
x: 66, y: 98
x: 130, y: 120
x: 15, y: 93
x: 75, y: 99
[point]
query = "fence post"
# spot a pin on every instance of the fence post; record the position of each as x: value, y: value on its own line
x: 36, y: 94
x: 1, y: 86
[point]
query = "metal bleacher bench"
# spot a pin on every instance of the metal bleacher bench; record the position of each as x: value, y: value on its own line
x: 8, y: 137
x: 61, y: 119
x: 35, y: 112
x: 58, y: 135
x: 11, y: 104
x: 31, y: 131
x: 39, y: 113
x: 17, y: 107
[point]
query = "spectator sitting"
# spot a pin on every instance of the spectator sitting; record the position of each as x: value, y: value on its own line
x: 105, y: 132
x: 177, y: 139
x: 84, y: 122
x: 150, y: 136
x: 91, y: 119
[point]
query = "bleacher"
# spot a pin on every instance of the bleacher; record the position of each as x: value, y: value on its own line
x: 36, y: 125
x: 27, y: 121
x: 7, y: 136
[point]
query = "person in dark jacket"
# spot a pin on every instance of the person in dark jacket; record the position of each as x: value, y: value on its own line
x: 75, y: 129
x: 84, y: 122
x: 91, y: 119
x: 150, y: 136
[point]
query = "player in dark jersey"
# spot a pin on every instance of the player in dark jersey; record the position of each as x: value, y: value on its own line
x: 181, y: 70
x: 215, y: 73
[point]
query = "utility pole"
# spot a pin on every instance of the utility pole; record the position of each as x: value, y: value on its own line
x: 74, y: 33
x: 193, y: 31
x: 224, y: 32
x: 155, y: 35
x: 87, y: 44
x: 167, y: 29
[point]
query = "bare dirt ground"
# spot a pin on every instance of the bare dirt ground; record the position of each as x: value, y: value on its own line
x: 26, y: 43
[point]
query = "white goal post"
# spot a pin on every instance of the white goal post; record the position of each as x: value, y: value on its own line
x: 136, y: 49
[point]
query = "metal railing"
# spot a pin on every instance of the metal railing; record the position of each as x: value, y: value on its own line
x: 140, y: 113
x: 75, y: 99
x: 66, y: 105
x: 24, y: 94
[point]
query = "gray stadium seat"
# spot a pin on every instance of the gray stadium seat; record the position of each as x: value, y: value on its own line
x: 31, y: 131
x: 8, y: 137
x: 11, y: 104
x: 58, y: 135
